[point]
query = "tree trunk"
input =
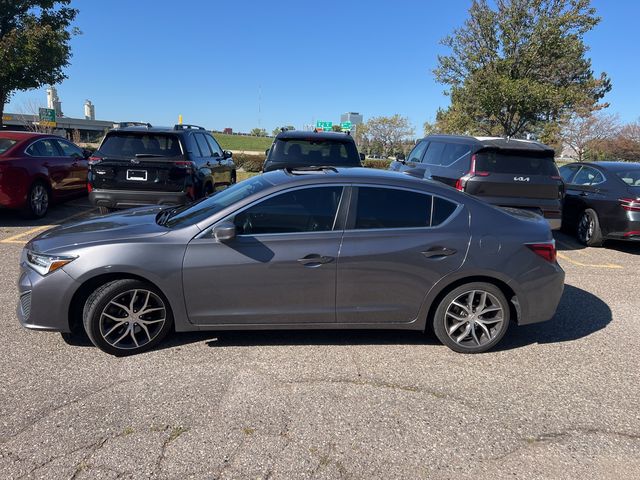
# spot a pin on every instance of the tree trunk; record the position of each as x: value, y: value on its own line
x: 3, y: 99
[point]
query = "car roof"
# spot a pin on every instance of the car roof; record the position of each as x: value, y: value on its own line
x: 346, y: 174
x: 143, y: 129
x: 493, y: 142
x: 608, y: 164
x: 311, y: 135
x: 19, y: 135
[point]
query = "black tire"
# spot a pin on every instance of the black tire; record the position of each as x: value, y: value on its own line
x: 448, y: 315
x: 38, y: 200
x: 208, y: 190
x: 105, y: 210
x: 103, y: 329
x: 234, y: 178
x: 588, y: 231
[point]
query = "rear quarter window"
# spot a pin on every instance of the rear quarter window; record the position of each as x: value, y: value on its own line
x: 6, y: 144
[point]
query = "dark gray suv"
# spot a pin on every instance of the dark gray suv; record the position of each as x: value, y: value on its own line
x: 500, y: 171
x: 331, y: 248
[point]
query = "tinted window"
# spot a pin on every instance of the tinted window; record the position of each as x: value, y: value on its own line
x: 442, y: 210
x: 215, y: 148
x: 521, y: 163
x: 452, y: 153
x: 392, y: 208
x: 43, y: 148
x: 434, y: 153
x: 126, y: 144
x: 303, y: 210
x: 416, y: 154
x: 568, y: 171
x: 202, y: 143
x: 630, y: 177
x: 194, y: 213
x: 6, y: 144
x: 587, y: 176
x: 69, y: 150
x: 314, y: 152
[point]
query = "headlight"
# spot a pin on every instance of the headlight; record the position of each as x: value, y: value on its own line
x: 44, y: 264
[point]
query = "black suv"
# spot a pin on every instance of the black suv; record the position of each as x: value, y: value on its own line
x: 144, y: 165
x: 299, y: 149
x: 504, y: 172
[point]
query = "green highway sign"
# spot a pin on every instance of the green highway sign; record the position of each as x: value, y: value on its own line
x: 345, y: 126
x: 326, y: 126
x: 47, y: 117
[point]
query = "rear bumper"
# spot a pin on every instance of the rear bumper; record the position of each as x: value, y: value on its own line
x: 539, y: 296
x: 130, y: 198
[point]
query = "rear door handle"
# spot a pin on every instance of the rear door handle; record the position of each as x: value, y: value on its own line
x: 584, y: 194
x: 315, y: 260
x: 438, y: 252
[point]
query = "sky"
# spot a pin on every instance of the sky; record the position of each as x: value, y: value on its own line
x: 246, y: 64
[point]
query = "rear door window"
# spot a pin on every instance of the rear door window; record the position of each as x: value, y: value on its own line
x: 204, y: 146
x: 588, y: 176
x: 125, y: 144
x: 392, y: 208
x: 521, y: 163
x: 297, y: 211
x: 568, y: 171
x: 44, y: 148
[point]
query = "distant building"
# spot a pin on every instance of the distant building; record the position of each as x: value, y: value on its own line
x: 53, y: 102
x: 354, y: 117
x: 89, y: 110
x: 228, y: 131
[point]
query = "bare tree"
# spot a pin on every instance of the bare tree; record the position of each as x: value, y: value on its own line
x: 387, y: 133
x: 29, y: 115
x: 581, y: 131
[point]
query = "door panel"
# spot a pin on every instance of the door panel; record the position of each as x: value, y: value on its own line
x: 259, y: 280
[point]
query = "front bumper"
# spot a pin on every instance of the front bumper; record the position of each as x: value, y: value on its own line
x: 44, y: 301
x: 130, y: 198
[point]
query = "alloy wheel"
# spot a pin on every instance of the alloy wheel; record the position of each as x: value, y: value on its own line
x: 586, y: 227
x: 132, y: 319
x: 474, y: 318
x: 39, y: 199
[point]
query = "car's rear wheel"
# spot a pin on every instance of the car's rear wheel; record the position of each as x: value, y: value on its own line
x: 589, y: 232
x: 38, y: 200
x: 472, y: 318
x: 126, y: 317
x: 105, y: 210
x: 208, y: 190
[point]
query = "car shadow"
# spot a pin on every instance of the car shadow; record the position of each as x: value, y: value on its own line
x: 57, y: 214
x: 566, y: 242
x: 579, y: 314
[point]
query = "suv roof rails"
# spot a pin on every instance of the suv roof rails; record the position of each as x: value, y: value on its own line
x: 133, y: 124
x: 187, y: 126
x: 308, y: 170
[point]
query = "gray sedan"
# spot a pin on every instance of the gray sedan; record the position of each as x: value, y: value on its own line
x: 306, y: 249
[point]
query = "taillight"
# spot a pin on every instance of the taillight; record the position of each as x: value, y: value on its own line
x: 89, y: 187
x: 459, y: 185
x: 94, y: 160
x: 545, y: 250
x: 187, y: 165
x: 633, y: 233
x: 630, y: 204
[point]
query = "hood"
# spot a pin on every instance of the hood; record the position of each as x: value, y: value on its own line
x: 128, y: 225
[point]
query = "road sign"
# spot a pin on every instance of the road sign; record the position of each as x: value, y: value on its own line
x: 47, y: 117
x: 326, y: 126
x: 345, y: 126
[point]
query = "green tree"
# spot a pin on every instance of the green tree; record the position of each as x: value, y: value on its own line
x: 386, y: 134
x: 517, y: 67
x: 34, y: 44
x: 258, y: 132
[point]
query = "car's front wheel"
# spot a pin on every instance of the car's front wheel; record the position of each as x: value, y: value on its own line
x: 126, y: 317
x: 472, y: 318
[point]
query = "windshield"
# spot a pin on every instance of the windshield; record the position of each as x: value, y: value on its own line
x: 6, y: 144
x: 521, y: 163
x: 314, y: 152
x: 124, y: 144
x: 631, y: 177
x: 191, y: 214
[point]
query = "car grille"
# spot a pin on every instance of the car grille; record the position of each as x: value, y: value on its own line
x: 25, y: 305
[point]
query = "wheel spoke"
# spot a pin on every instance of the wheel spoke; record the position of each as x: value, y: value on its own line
x: 489, y: 321
x: 456, y: 317
x: 483, y: 302
x: 146, y: 330
x: 146, y: 302
x: 116, y: 326
x: 144, y: 312
x: 489, y: 310
x: 115, y: 319
x: 455, y: 326
x: 475, y: 336
x: 122, y: 337
x: 149, y: 322
x: 464, y: 334
x: 459, y: 305
x: 133, y: 336
x: 133, y: 299
x: 120, y: 306
x: 485, y: 330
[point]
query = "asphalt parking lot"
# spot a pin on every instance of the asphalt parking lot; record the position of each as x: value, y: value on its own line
x: 555, y: 400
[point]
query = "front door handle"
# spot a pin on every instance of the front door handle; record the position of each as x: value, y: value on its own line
x: 439, y: 252
x: 315, y: 260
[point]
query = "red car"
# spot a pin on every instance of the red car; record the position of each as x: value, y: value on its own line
x: 38, y: 169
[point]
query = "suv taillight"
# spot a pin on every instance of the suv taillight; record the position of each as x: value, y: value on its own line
x: 94, y: 160
x: 186, y: 164
x: 545, y: 250
x: 630, y: 204
x: 461, y: 183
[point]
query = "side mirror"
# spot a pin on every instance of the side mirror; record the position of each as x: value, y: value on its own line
x: 227, y: 154
x: 362, y: 157
x: 401, y: 158
x: 224, y: 232
x: 86, y: 153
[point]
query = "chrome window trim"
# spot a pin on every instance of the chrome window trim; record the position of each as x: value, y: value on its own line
x: 36, y: 141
